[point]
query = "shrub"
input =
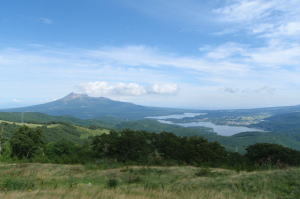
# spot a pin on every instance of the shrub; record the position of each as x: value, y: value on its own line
x: 204, y: 172
x: 132, y: 179
x: 112, y: 183
x: 272, y: 154
x: 15, y: 184
x: 152, y: 186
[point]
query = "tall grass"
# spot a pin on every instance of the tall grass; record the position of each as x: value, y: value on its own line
x: 45, y: 181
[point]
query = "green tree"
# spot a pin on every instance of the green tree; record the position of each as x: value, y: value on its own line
x: 264, y: 153
x: 126, y: 145
x: 25, y: 142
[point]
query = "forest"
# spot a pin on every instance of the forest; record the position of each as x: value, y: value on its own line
x: 130, y: 147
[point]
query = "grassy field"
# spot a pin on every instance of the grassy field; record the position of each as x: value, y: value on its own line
x: 49, y: 181
x: 85, y: 132
x: 30, y: 125
x: 91, y: 132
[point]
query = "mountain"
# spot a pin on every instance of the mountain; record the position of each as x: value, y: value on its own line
x: 84, y: 107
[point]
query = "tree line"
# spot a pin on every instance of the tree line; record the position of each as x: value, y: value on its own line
x: 144, y: 148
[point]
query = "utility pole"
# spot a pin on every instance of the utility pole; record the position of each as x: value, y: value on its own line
x: 1, y: 138
x: 22, y: 117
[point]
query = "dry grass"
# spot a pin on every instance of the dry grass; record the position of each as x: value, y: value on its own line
x: 30, y: 125
x: 91, y: 132
x: 50, y: 181
x: 93, y: 193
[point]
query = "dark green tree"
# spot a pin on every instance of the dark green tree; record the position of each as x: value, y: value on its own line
x: 265, y: 153
x: 126, y: 145
x: 26, y: 141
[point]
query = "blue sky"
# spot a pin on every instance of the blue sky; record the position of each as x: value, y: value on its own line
x: 179, y: 53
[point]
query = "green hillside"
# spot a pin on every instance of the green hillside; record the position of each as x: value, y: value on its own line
x: 289, y: 122
x: 40, y: 118
x: 54, y: 132
x: 75, y: 130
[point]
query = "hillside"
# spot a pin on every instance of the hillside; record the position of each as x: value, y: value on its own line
x: 41, y: 118
x: 54, y: 132
x: 289, y: 122
x: 85, y: 107
x: 75, y: 130
x: 237, y: 142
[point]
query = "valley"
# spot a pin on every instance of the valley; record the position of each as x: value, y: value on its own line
x: 173, y: 154
x: 234, y: 129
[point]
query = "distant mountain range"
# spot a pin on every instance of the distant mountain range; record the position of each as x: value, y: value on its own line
x: 282, y: 124
x: 84, y: 107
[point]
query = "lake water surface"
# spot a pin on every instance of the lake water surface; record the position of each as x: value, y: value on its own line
x: 177, y: 116
x: 224, y: 130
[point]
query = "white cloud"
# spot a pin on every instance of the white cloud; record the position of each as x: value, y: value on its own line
x: 46, y: 20
x: 246, y: 10
x: 102, y: 88
x: 165, y: 88
x: 259, y: 90
x: 275, y: 54
x: 272, y: 18
x: 152, y: 71
x: 17, y: 100
x: 151, y: 57
x: 225, y: 51
x: 289, y: 29
x: 128, y: 56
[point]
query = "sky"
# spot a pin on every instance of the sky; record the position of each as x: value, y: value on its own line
x: 216, y: 54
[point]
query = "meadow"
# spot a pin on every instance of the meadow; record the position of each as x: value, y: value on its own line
x: 53, y: 181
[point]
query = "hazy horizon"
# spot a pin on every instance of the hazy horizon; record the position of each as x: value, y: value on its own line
x: 20, y: 105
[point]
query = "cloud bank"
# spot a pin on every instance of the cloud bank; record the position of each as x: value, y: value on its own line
x: 102, y: 88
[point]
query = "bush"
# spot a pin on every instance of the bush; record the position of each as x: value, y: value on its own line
x: 153, y: 186
x: 15, y: 184
x: 204, y: 172
x: 133, y: 179
x: 112, y: 183
x: 272, y: 154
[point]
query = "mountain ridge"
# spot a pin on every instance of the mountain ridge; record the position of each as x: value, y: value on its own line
x: 85, y: 107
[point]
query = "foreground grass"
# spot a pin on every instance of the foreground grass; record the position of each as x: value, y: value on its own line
x: 49, y: 181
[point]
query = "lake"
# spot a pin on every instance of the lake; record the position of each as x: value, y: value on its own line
x: 224, y: 130
x: 177, y: 116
